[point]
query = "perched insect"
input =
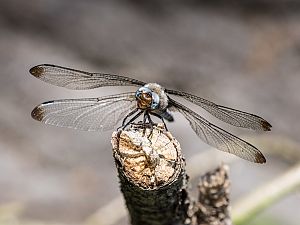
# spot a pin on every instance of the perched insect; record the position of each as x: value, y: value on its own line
x: 103, y: 113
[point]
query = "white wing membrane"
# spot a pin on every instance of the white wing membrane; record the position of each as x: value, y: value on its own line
x: 79, y: 80
x: 219, y: 138
x: 90, y: 114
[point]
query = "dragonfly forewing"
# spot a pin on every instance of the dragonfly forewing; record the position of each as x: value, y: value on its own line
x: 231, y: 116
x: 79, y: 80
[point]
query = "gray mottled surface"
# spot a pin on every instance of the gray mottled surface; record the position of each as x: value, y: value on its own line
x: 243, y: 56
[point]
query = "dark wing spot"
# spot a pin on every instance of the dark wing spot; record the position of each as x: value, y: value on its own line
x: 265, y: 125
x: 259, y: 158
x: 37, y: 71
x: 38, y: 113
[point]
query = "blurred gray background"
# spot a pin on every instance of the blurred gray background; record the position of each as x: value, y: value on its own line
x: 242, y: 54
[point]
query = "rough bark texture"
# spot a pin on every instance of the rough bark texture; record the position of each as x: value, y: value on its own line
x: 153, y: 181
x: 212, y: 206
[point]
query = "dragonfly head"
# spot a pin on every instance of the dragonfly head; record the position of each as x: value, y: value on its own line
x: 146, y: 98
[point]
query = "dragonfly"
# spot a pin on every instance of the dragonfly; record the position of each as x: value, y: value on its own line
x: 150, y: 99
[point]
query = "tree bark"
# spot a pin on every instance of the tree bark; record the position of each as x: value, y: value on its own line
x: 212, y: 206
x: 153, y: 180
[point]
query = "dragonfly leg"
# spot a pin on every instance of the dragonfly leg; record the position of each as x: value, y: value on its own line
x: 162, y: 119
x: 145, y: 118
x: 150, y: 122
x: 132, y: 119
x: 128, y: 115
x: 144, y: 123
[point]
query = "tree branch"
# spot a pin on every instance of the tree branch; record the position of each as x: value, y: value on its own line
x: 153, y: 180
x: 213, y: 201
x: 152, y: 175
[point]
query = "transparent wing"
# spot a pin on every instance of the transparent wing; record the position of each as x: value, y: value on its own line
x: 79, y: 80
x: 217, y: 137
x: 90, y: 114
x: 232, y: 116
